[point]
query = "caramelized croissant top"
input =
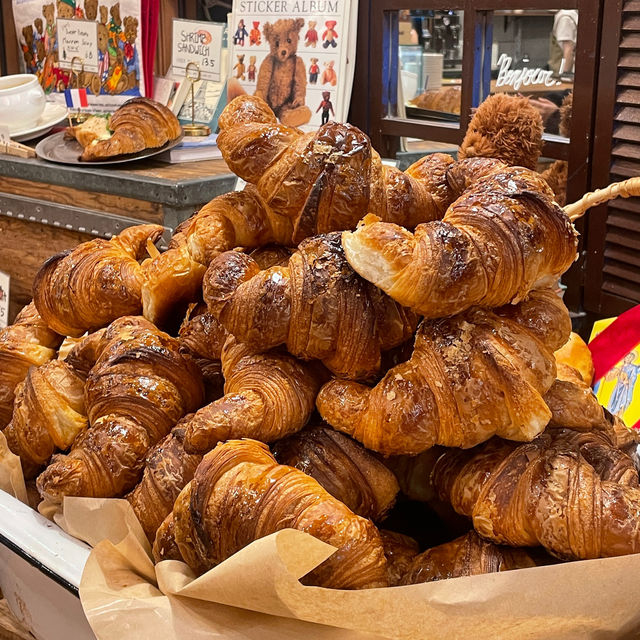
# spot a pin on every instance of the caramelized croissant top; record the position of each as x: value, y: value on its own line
x: 316, y: 305
x: 343, y: 467
x: 468, y: 555
x: 239, y: 493
x: 503, y: 237
x: 95, y: 283
x: 325, y: 180
x: 27, y: 342
x: 573, y: 493
x: 470, y: 377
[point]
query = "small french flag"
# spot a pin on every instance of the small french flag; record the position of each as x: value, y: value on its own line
x: 76, y: 98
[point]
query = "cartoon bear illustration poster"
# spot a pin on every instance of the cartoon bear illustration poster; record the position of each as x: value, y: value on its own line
x: 112, y: 30
x: 301, y: 50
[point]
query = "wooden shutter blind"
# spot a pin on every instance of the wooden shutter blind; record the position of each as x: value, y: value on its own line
x: 612, y: 281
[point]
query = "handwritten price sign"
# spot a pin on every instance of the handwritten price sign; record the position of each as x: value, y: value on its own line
x: 78, y: 39
x: 198, y: 42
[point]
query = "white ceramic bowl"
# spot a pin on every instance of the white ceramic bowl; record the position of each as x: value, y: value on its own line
x: 21, y: 101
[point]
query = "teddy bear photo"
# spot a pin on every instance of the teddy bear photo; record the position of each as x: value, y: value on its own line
x: 130, y: 53
x: 103, y: 59
x: 40, y: 51
x: 115, y: 27
x: 329, y: 74
x: 27, y: 48
x: 311, y: 37
x: 48, y: 12
x: 91, y: 9
x: 282, y: 78
x: 240, y: 34
x: 330, y: 35
x: 66, y: 9
x: 254, y: 36
x: 104, y: 14
x: 251, y: 69
x: 314, y: 70
x: 239, y: 68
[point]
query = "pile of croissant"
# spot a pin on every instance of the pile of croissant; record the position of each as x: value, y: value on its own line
x: 341, y: 348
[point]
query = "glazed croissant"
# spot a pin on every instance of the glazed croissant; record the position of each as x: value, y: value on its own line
x: 167, y: 470
x: 48, y: 414
x: 470, y: 377
x: 325, y: 180
x: 97, y: 282
x: 343, y: 467
x: 504, y: 237
x: 137, y: 125
x: 573, y: 493
x: 26, y: 343
x: 399, y: 551
x: 240, y: 493
x: 267, y: 396
x: 316, y: 306
x: 138, y: 388
x: 468, y: 555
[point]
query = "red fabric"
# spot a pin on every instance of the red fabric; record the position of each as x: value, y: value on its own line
x: 612, y: 344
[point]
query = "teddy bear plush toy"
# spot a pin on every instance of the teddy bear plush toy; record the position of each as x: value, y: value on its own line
x: 254, y: 35
x: 330, y: 35
x: 282, y: 78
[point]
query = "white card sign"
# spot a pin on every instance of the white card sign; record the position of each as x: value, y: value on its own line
x: 4, y: 299
x: 78, y: 39
x: 199, y: 42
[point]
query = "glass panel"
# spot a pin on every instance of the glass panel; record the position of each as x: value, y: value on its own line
x: 532, y: 54
x: 427, y: 44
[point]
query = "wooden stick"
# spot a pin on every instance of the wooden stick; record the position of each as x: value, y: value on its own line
x: 624, y: 189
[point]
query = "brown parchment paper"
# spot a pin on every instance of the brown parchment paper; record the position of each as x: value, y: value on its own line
x: 11, y: 477
x: 256, y: 594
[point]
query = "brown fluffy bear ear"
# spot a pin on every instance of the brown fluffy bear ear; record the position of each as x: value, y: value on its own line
x: 299, y: 23
x: 267, y: 31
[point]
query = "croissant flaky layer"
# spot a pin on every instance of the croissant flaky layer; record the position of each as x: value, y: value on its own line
x: 27, y: 342
x: 139, y: 386
x: 48, y: 414
x: 502, y: 238
x: 239, y: 493
x: 573, y: 493
x: 267, y: 396
x: 343, y: 467
x: 470, y: 377
x: 94, y: 284
x: 316, y: 305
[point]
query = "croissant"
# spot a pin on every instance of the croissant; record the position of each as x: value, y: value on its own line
x: 576, y: 354
x: 239, y: 493
x: 468, y: 555
x: 138, y: 388
x: 48, y: 414
x: 137, y: 125
x: 203, y: 337
x: 27, y: 342
x: 326, y: 180
x: 399, y: 551
x: 573, y: 493
x: 470, y: 377
x: 267, y: 396
x: 167, y: 470
x: 97, y: 282
x: 343, y: 467
x: 316, y: 306
x: 503, y: 237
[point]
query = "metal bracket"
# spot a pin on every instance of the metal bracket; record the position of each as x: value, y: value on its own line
x: 97, y: 223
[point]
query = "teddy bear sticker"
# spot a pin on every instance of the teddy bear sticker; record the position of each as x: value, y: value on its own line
x: 239, y: 68
x: 311, y: 37
x: 330, y: 35
x: 282, y: 77
x: 254, y: 36
x: 314, y: 70
x: 329, y: 75
x: 251, y: 69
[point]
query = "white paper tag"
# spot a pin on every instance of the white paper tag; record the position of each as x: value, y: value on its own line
x: 78, y: 39
x: 5, y: 135
x: 4, y: 299
x: 240, y: 184
x: 199, y: 42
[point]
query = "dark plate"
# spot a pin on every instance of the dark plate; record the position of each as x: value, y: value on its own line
x: 429, y: 114
x: 56, y: 149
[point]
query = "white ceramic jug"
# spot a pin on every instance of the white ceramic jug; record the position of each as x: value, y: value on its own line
x: 22, y: 101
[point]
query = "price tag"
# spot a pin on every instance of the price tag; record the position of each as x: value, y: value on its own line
x: 78, y: 39
x: 5, y: 136
x: 4, y: 299
x: 199, y: 42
